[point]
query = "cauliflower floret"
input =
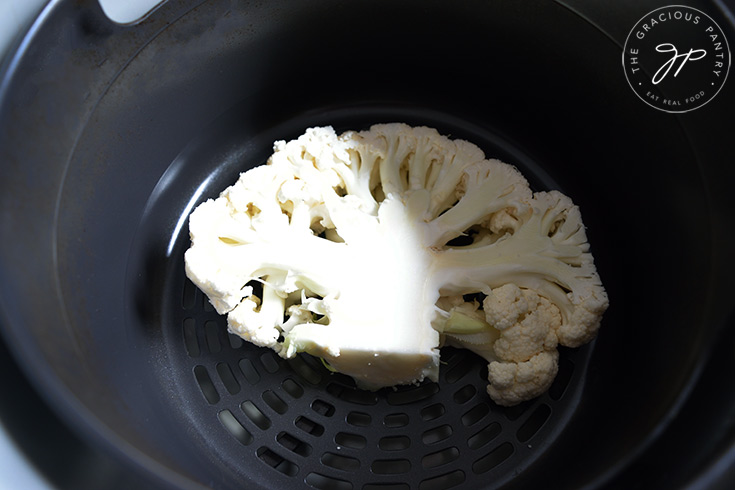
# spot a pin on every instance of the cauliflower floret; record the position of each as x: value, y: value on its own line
x: 515, y: 382
x: 528, y: 323
x: 372, y: 250
x: 517, y: 336
x: 246, y: 321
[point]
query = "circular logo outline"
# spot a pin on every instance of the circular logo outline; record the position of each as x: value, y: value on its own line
x: 626, y: 54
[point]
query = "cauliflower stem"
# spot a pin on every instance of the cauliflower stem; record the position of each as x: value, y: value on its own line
x: 373, y: 249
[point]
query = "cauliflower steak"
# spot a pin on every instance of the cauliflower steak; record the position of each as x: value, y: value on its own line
x: 373, y: 249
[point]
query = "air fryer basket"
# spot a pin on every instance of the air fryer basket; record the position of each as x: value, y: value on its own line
x: 110, y: 135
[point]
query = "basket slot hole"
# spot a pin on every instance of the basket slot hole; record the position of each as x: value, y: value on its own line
x: 439, y: 458
x: 270, y: 362
x: 390, y: 466
x: 303, y: 369
x: 322, y: 408
x: 465, y: 394
x: 410, y: 395
x: 352, y: 395
x: 292, y: 388
x: 340, y: 462
x: 485, y: 436
x: 386, y: 486
x: 432, y: 412
x: 452, y: 355
x: 466, y: 364
x: 515, y: 412
x: 275, y: 402
x: 475, y: 414
x: 396, y: 420
x: 359, y: 419
x: 255, y: 415
x: 188, y: 295
x: 277, y: 462
x: 437, y: 434
x: 534, y: 423
x: 309, y: 426
x: 228, y: 378
x: 211, y: 334
x: 563, y: 377
x: 493, y: 459
x: 442, y: 482
x: 394, y: 443
x: 322, y: 482
x: 234, y: 427
x: 235, y: 340
x: 191, y: 343
x: 248, y: 371
x: 206, y: 385
x: 293, y: 444
x: 352, y: 441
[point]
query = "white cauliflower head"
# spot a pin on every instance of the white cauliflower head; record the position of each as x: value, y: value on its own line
x: 372, y: 249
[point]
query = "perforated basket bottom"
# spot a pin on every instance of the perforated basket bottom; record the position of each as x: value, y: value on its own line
x: 294, y: 424
x: 306, y: 425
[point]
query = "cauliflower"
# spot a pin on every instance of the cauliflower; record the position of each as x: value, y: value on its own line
x: 517, y: 335
x: 373, y: 249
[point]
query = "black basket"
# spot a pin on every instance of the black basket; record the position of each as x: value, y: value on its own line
x: 110, y: 135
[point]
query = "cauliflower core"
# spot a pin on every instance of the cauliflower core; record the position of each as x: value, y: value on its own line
x: 373, y: 249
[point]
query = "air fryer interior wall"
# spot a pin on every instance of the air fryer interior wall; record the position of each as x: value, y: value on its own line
x: 112, y: 134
